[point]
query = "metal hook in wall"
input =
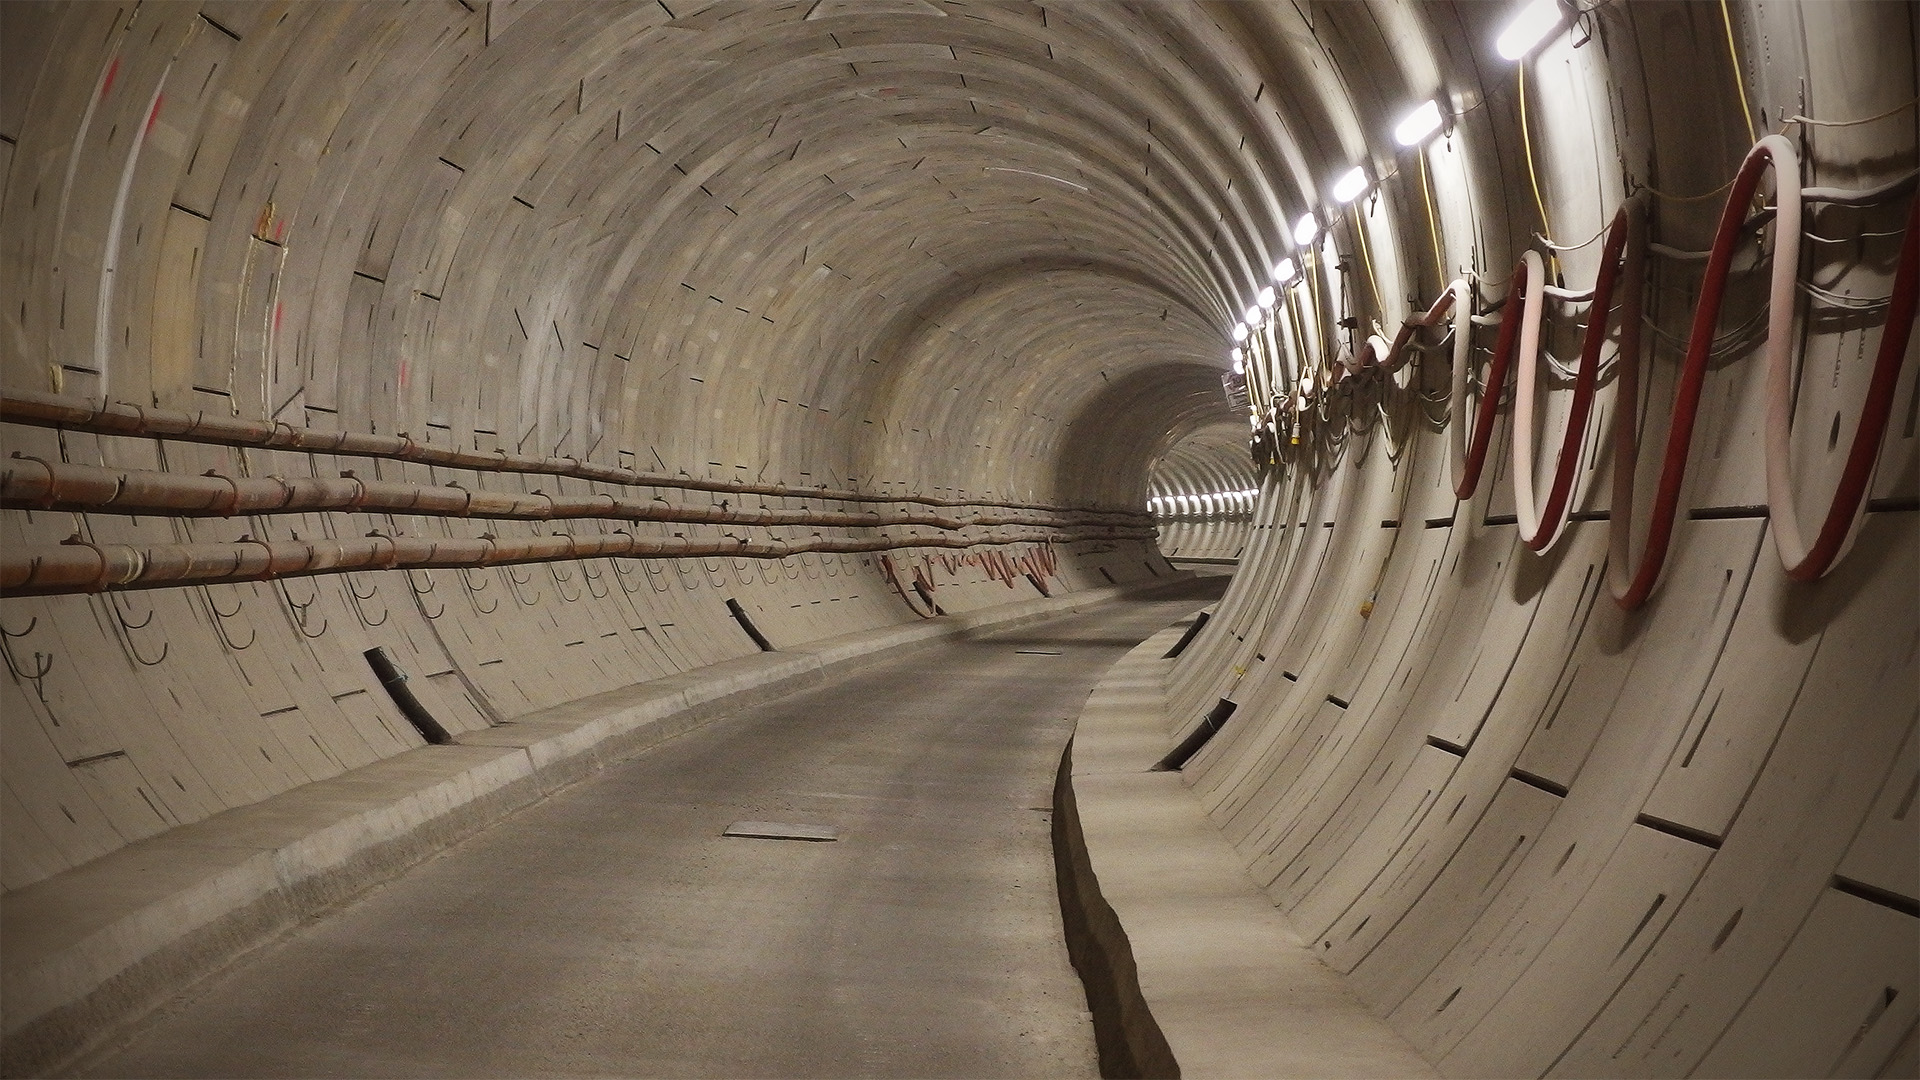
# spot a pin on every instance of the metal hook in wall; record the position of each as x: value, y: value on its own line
x: 622, y: 575
x: 656, y: 577
x: 354, y: 598
x: 114, y: 599
x: 600, y: 593
x: 133, y: 647
x: 420, y: 594
x: 42, y: 662
x: 513, y: 585
x: 474, y: 591
x: 207, y: 590
x: 299, y: 610
x: 558, y: 580
x: 220, y: 621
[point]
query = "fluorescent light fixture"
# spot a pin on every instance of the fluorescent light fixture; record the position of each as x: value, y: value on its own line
x: 1238, y: 367
x: 1305, y: 229
x: 1239, y: 331
x: 1236, y: 356
x: 1253, y: 315
x: 1535, y: 21
x: 1267, y: 297
x: 1418, y: 124
x: 1283, y: 271
x: 1348, y: 187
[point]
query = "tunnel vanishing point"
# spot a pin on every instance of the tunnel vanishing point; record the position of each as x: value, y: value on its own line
x: 413, y: 409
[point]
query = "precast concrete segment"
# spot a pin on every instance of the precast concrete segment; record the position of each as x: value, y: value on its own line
x: 612, y: 930
x: 1227, y: 980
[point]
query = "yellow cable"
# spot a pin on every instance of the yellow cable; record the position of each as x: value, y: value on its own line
x: 1311, y: 271
x: 1433, y: 226
x: 1533, y: 177
x: 1739, y: 83
x: 1526, y: 142
x: 1366, y: 257
x: 1299, y: 341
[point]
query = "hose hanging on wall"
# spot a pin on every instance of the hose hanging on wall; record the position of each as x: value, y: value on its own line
x: 1623, y: 270
x: 1843, y: 513
x: 1470, y: 453
x: 1629, y: 582
x: 1540, y: 527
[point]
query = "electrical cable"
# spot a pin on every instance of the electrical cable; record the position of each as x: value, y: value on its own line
x: 1739, y: 82
x: 1879, y: 193
x: 1526, y: 142
x: 1543, y: 241
x: 1687, y: 198
x: 1902, y: 107
x: 1852, y: 303
x: 1433, y: 225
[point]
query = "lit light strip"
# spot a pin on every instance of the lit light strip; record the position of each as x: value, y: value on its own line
x: 1350, y: 185
x: 1529, y: 28
x: 1206, y: 502
x: 1418, y: 124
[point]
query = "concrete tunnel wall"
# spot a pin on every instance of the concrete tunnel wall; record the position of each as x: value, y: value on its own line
x: 990, y: 254
x: 1201, y: 493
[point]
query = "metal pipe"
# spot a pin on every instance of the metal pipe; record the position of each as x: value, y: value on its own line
x: 78, y: 566
x: 33, y: 483
x: 117, y: 418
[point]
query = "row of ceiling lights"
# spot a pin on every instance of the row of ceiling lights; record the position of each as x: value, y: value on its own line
x: 1526, y: 30
x: 1205, y: 502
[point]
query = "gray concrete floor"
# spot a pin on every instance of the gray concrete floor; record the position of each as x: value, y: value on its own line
x: 611, y: 930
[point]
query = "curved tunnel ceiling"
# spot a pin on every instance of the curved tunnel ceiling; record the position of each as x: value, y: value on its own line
x: 825, y: 215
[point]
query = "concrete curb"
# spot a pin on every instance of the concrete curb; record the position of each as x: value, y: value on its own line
x: 1219, y: 975
x: 92, y: 950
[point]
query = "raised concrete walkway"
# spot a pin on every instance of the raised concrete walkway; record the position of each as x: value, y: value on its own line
x: 1222, y: 986
x: 92, y: 949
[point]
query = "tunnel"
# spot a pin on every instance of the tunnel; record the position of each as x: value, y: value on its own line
x: 1267, y: 538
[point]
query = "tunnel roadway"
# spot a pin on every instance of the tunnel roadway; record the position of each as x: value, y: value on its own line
x: 612, y: 930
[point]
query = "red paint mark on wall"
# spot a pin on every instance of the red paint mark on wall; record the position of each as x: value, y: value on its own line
x: 153, y: 114
x: 280, y: 231
x: 277, y: 311
x: 106, y: 83
x: 403, y: 374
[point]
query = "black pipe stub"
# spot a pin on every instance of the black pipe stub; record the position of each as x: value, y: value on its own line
x: 1186, y: 639
x: 740, y: 616
x: 395, y: 680
x: 1209, y: 726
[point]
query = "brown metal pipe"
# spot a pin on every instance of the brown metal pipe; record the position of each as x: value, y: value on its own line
x: 31, y: 483
x: 80, y: 414
x: 77, y: 566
